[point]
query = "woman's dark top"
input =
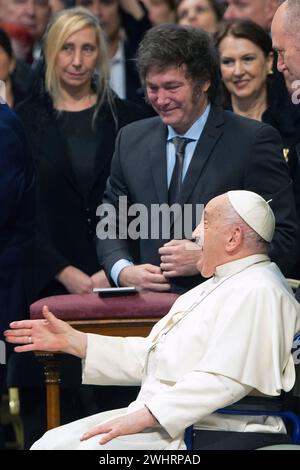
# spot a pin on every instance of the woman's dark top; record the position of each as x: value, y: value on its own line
x: 280, y: 113
x: 81, y: 144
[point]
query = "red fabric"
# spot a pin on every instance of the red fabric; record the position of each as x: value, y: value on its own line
x: 93, y: 307
x: 21, y: 39
x: 17, y: 31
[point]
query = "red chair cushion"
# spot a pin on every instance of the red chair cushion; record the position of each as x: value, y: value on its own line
x: 93, y: 307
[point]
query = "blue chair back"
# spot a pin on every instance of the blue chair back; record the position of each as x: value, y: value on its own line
x: 261, y: 406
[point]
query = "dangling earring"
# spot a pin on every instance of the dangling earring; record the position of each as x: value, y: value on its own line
x: 270, y: 72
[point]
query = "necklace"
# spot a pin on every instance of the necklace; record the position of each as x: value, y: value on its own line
x: 181, y: 314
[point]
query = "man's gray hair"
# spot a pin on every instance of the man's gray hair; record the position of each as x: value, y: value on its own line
x: 252, y: 239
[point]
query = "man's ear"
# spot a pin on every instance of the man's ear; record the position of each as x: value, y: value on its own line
x: 235, y: 239
x: 206, y: 86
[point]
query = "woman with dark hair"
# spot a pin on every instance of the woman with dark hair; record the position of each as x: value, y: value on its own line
x: 246, y: 59
x: 252, y: 90
x: 204, y: 14
x: 246, y: 62
x: 72, y: 125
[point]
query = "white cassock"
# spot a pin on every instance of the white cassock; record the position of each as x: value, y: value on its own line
x: 226, y: 338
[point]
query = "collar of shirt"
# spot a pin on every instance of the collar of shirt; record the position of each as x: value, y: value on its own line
x: 233, y: 267
x: 193, y: 133
x: 117, y: 72
x: 119, y: 55
x: 37, y: 50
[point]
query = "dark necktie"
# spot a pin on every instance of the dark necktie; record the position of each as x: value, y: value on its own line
x: 176, y: 180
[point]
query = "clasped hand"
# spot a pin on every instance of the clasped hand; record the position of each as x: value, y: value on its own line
x: 180, y: 258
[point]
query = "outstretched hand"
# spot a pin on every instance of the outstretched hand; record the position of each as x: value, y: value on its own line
x: 50, y: 334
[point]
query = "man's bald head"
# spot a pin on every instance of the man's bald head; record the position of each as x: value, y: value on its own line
x: 286, y: 40
x: 291, y: 9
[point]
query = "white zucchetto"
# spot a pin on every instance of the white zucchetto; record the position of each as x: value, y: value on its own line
x: 255, y: 211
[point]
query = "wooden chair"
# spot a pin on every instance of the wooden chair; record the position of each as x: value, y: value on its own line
x: 128, y: 315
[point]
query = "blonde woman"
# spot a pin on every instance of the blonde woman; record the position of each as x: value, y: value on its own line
x: 72, y: 123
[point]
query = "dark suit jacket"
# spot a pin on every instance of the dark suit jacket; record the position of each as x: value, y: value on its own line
x: 134, y: 30
x: 67, y: 219
x: 134, y: 90
x: 16, y: 218
x: 232, y: 153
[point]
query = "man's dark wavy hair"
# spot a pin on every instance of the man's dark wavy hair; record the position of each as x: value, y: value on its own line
x: 170, y: 45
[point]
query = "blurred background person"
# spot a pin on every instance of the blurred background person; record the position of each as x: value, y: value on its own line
x: 21, y: 40
x: 58, y: 5
x: 259, y: 11
x: 161, y: 11
x: 124, y: 23
x: 17, y: 87
x: 25, y: 22
x: 205, y: 14
x: 31, y: 14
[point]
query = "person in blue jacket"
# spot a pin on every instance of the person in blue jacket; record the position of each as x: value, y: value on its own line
x: 17, y: 211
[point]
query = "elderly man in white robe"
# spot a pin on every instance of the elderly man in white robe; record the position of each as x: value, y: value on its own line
x: 227, y: 338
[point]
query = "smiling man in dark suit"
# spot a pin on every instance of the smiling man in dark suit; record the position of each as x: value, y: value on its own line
x: 223, y: 152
